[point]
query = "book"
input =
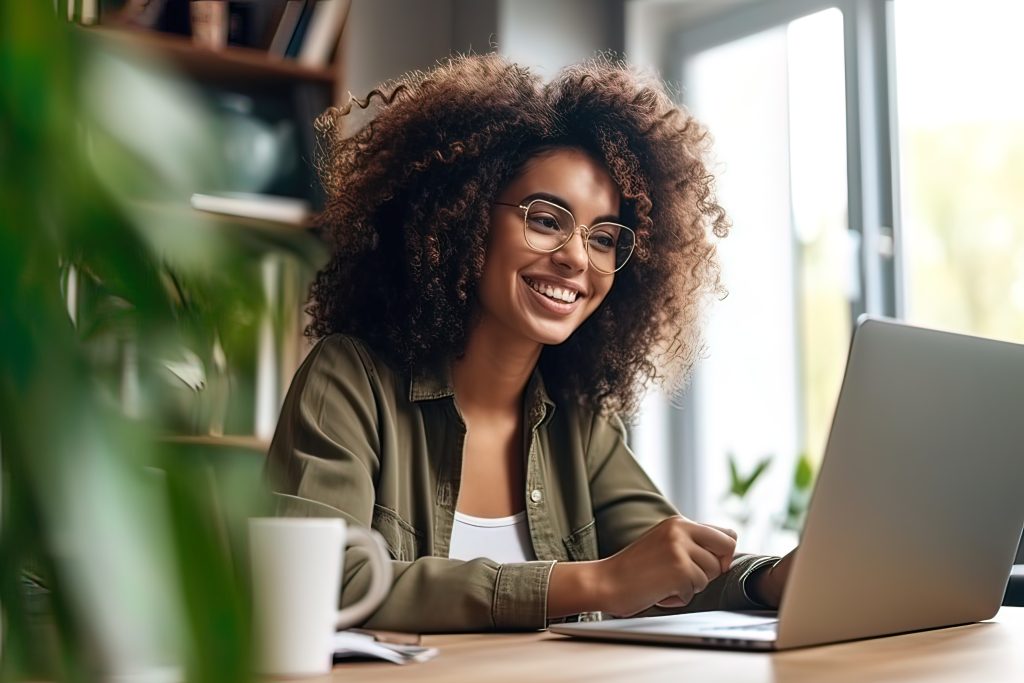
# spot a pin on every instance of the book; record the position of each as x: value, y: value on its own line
x: 300, y: 29
x: 291, y: 210
x: 209, y: 23
x: 241, y: 21
x: 141, y: 13
x: 325, y: 28
x: 90, y: 12
x: 285, y: 28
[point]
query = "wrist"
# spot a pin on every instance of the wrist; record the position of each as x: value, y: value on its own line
x: 599, y: 586
x: 576, y: 587
x: 759, y: 588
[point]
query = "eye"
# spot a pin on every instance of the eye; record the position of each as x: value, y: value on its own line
x: 602, y: 240
x: 543, y: 222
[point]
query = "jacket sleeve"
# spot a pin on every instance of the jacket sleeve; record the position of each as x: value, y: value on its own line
x: 626, y: 504
x: 324, y: 460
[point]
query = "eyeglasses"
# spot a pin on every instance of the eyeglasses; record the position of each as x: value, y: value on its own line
x: 549, y: 227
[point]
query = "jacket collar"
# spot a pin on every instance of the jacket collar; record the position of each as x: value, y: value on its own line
x: 431, y: 381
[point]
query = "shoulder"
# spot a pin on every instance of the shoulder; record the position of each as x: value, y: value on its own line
x: 341, y: 350
x: 345, y: 362
x: 606, y: 433
x: 597, y: 432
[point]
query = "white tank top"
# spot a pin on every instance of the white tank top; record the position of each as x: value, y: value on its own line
x: 502, y: 539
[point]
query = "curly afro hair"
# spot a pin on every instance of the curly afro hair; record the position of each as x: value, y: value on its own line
x: 408, y: 208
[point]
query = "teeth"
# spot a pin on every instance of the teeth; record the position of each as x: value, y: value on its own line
x: 557, y: 293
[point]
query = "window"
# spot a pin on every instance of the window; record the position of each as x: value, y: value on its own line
x: 775, y: 104
x: 869, y: 153
x: 961, y: 133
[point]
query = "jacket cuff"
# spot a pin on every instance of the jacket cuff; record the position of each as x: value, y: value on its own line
x: 521, y: 596
x: 735, y: 594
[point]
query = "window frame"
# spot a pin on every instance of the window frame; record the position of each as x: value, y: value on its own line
x: 872, y: 170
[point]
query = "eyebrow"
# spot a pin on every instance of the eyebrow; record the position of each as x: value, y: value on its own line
x: 555, y: 199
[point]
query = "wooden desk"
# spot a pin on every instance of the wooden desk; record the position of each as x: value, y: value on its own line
x: 990, y: 651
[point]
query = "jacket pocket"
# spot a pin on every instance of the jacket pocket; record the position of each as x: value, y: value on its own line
x: 582, y: 543
x: 401, y: 537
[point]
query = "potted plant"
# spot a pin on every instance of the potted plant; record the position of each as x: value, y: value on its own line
x: 119, y: 550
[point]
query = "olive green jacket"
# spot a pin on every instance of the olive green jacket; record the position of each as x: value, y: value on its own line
x: 360, y: 440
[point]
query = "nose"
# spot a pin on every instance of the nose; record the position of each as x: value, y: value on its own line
x: 573, y: 254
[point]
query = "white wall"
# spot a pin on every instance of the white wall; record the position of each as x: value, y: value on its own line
x: 550, y: 34
x: 650, y: 24
x: 387, y: 38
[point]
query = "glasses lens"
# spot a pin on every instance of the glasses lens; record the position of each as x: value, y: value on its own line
x: 610, y: 246
x: 548, y: 226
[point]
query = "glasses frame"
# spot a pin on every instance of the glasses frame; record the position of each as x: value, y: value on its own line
x: 583, y: 230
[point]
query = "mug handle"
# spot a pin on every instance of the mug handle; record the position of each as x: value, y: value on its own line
x: 380, y: 577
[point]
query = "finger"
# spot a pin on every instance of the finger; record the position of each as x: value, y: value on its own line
x: 718, y: 542
x: 698, y: 578
x: 725, y: 530
x: 726, y: 561
x: 708, y: 563
x: 671, y: 601
x: 683, y: 597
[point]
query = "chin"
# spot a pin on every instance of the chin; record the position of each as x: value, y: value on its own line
x: 549, y: 337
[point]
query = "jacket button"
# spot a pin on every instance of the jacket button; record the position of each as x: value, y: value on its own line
x: 536, y: 495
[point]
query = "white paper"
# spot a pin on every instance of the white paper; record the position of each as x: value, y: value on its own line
x: 352, y: 644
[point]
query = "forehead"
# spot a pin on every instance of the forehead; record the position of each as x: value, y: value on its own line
x: 580, y: 180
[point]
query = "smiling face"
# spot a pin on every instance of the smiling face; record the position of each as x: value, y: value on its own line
x: 540, y: 297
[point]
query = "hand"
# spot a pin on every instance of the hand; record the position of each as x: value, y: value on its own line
x: 668, y: 565
x: 767, y: 585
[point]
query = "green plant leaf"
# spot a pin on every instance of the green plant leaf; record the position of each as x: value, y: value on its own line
x: 740, y: 485
x: 804, y: 474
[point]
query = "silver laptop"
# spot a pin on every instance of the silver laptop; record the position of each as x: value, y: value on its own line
x: 918, y: 507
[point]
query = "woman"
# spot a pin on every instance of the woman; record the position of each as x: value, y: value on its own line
x: 512, y: 262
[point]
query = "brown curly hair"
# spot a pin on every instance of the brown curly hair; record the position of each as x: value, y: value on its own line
x: 408, y: 208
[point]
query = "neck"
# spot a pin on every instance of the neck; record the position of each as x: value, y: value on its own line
x: 494, y: 371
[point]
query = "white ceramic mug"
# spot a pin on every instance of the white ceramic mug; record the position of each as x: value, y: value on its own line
x: 296, y: 580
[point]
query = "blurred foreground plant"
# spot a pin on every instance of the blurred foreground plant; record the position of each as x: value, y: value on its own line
x: 115, y: 546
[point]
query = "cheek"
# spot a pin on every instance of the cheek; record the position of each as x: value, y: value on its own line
x: 601, y: 291
x: 498, y: 277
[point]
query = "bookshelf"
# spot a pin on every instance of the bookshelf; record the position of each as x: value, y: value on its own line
x: 254, y: 234
x: 283, y: 255
x: 231, y: 65
x: 249, y: 444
